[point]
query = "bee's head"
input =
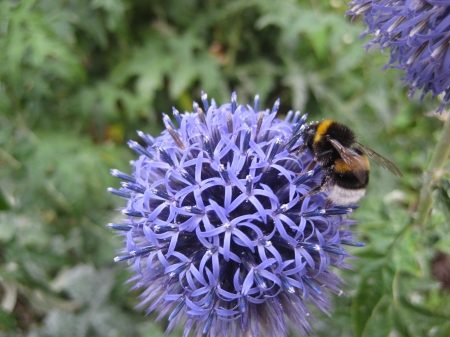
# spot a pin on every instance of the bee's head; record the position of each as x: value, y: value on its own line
x: 308, y: 132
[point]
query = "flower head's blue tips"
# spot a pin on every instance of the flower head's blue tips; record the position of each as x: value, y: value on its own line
x: 316, y: 212
x: 288, y: 117
x: 233, y: 102
x: 304, y: 178
x: 208, y: 148
x: 338, y: 211
x: 167, y: 121
x: 117, y: 227
x: 246, y: 143
x: 248, y: 261
x: 260, y: 280
x: 143, y: 250
x: 136, y: 147
x: 145, y: 137
x: 360, y: 8
x: 130, y: 212
x: 283, y: 208
x: 134, y: 187
x: 134, y: 253
x: 120, y: 193
x: 213, y: 104
x: 124, y: 257
x: 161, y: 229
x: 161, y: 194
x: 218, y: 227
x: 249, y: 184
x: 224, y: 173
x: 210, y: 297
x: 179, y: 306
x: 334, y: 250
x: 256, y: 104
x: 177, y: 116
x: 165, y: 156
x: 299, y: 124
x: 188, y: 177
x: 195, y: 106
x: 276, y: 105
x: 205, y: 101
x: 208, y: 323
x: 328, y: 211
x: 194, y: 210
x: 294, y: 139
x: 415, y: 34
x: 312, y: 285
x: 296, y: 117
x: 286, y: 285
x: 242, y: 304
x: 123, y: 176
x: 310, y: 246
x: 352, y: 243
x: 274, y: 150
x: 303, y: 119
x: 178, y: 270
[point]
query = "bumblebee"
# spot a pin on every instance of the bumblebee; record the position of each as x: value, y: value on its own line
x: 343, y: 159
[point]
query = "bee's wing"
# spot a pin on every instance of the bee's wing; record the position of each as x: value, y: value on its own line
x: 379, y: 159
x: 354, y: 160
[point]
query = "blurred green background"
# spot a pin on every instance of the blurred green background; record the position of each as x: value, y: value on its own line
x: 78, y: 77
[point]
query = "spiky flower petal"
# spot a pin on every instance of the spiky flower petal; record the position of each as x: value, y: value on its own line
x: 417, y: 33
x: 220, y: 231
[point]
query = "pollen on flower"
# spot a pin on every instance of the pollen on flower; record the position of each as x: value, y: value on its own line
x: 220, y: 231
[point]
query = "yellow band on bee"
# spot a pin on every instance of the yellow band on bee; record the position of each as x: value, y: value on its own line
x: 341, y: 167
x: 322, y: 129
x: 366, y: 160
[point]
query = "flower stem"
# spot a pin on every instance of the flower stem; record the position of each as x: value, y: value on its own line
x: 440, y: 156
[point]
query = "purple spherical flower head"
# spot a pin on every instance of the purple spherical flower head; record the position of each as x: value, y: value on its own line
x: 220, y: 231
x: 417, y: 33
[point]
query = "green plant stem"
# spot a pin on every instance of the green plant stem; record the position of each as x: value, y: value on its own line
x: 440, y: 156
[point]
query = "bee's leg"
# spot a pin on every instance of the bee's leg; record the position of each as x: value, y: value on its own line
x: 299, y: 149
x: 311, y: 165
x: 323, y: 155
x: 326, y: 178
x: 325, y: 181
x: 294, y: 139
x: 314, y: 162
x: 311, y: 192
x: 319, y: 188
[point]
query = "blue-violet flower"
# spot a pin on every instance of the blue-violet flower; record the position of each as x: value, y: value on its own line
x: 219, y: 228
x: 417, y: 33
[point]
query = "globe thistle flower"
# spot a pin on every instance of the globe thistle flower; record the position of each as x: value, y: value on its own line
x: 219, y: 228
x: 417, y: 33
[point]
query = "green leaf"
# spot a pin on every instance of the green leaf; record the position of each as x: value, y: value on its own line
x: 319, y: 41
x: 370, y: 301
x: 86, y: 284
x: 7, y: 320
x: 109, y: 320
x: 4, y: 204
x: 58, y: 323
